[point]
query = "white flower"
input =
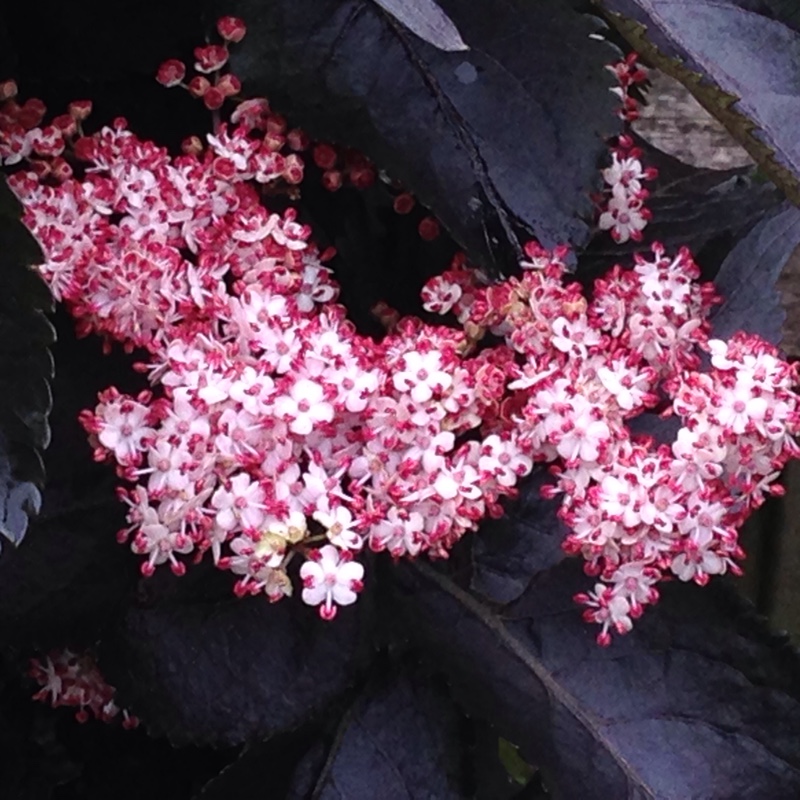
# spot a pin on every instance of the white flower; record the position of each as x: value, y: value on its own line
x: 123, y: 427
x: 422, y: 375
x: 339, y: 525
x: 304, y: 407
x: 330, y: 579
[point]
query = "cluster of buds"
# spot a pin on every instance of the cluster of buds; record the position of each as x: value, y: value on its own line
x: 72, y: 679
x: 275, y: 432
x: 623, y: 211
x: 629, y: 73
x: 23, y: 138
x: 343, y: 166
x: 210, y: 83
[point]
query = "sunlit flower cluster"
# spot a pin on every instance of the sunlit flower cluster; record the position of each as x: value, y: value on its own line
x: 280, y: 443
x: 273, y: 426
x: 73, y: 679
x: 638, y: 510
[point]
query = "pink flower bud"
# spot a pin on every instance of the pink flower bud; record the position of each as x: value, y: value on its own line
x: 171, y: 72
x: 210, y: 58
x: 428, y: 229
x: 61, y: 170
x: 8, y: 89
x: 80, y: 109
x: 84, y: 148
x: 232, y: 29
x: 31, y: 114
x: 198, y: 86
x: 213, y: 98
x: 403, y: 203
x: 325, y: 156
x: 293, y: 169
x: 192, y: 146
x: 362, y: 176
x: 229, y: 85
x: 332, y: 180
x: 297, y: 139
x: 274, y: 141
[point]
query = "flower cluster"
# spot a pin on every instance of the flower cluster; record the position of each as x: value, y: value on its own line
x: 637, y: 512
x: 209, y: 84
x: 273, y: 426
x: 624, y: 213
x: 71, y: 679
x: 274, y: 432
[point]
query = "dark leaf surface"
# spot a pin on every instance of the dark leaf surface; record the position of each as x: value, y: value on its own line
x: 748, y: 276
x: 697, y: 702
x: 499, y: 141
x: 64, y: 585
x: 508, y: 552
x: 26, y: 368
x: 740, y: 59
x: 398, y: 742
x: 221, y: 673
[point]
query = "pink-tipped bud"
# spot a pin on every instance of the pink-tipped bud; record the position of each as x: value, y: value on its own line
x: 210, y: 58
x: 61, y: 170
x: 231, y: 29
x: 213, y: 98
x: 428, y: 229
x: 198, y: 86
x: 171, y: 72
x: 31, y: 113
x: 80, y: 109
x: 293, y: 169
x: 325, y: 156
x: 362, y: 176
x: 403, y: 203
x: 8, y: 89
x: 192, y: 145
x: 274, y: 141
x: 229, y: 85
x: 84, y: 148
x: 332, y: 180
x: 297, y: 139
x: 67, y: 124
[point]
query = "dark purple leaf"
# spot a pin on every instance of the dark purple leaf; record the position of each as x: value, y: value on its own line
x: 222, y: 673
x: 747, y: 278
x: 508, y: 552
x: 34, y: 761
x: 500, y: 141
x: 398, y: 742
x: 26, y: 367
x: 293, y: 763
x: 741, y: 60
x: 427, y: 20
x: 698, y: 701
x: 70, y: 577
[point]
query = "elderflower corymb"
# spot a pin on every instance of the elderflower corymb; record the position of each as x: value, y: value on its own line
x: 275, y: 432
